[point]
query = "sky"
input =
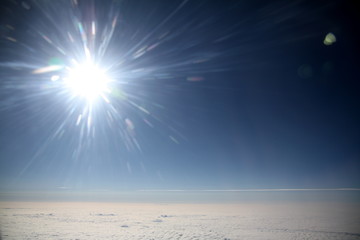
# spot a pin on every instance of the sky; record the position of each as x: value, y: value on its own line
x: 200, y: 95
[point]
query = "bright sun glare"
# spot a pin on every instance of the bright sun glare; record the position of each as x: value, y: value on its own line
x: 89, y: 81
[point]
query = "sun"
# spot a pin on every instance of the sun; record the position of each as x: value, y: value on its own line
x: 88, y: 80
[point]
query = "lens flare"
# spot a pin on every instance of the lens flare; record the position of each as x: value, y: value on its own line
x: 88, y: 81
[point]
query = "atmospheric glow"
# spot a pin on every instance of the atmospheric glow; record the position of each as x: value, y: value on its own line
x: 88, y: 80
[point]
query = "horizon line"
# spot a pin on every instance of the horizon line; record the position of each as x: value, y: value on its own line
x: 65, y: 189
x: 251, y: 190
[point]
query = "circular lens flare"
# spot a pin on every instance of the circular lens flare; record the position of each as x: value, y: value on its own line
x: 89, y: 81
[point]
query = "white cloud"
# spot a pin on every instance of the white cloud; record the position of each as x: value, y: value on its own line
x: 179, y: 221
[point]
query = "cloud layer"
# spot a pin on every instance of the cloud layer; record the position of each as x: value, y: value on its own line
x: 179, y: 221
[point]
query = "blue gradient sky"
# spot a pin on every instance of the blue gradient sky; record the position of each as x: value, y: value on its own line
x: 276, y: 108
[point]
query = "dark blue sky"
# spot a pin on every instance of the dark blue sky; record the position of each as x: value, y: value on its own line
x: 273, y: 107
